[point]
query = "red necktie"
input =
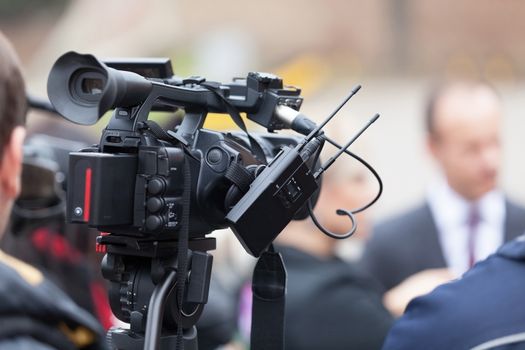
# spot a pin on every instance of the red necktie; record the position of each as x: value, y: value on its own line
x: 473, y: 221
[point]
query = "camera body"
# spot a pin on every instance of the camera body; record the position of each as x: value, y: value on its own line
x: 131, y: 183
x: 140, y: 193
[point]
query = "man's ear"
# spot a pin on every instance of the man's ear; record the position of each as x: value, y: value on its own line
x: 11, y: 164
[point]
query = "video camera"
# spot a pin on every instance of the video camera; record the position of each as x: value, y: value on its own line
x: 156, y: 194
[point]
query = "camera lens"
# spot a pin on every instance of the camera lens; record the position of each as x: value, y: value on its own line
x: 92, y: 86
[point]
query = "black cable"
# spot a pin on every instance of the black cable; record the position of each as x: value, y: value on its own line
x: 338, y: 212
x: 370, y: 168
x: 349, y: 213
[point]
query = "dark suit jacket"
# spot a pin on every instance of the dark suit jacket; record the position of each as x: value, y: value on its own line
x: 482, y: 309
x: 407, y: 244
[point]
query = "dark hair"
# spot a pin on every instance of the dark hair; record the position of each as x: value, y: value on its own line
x: 441, y: 90
x: 13, y: 101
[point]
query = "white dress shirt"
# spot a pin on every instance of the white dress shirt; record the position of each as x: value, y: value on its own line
x: 451, y: 211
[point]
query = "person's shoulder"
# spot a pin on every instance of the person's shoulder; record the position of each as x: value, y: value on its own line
x: 326, y: 285
x: 313, y: 277
x: 403, y: 224
x: 19, y: 276
x: 17, y: 271
x: 514, y: 250
x: 384, y: 246
x: 514, y: 219
x: 19, y: 343
x: 481, y: 306
x: 514, y: 208
x: 37, y: 299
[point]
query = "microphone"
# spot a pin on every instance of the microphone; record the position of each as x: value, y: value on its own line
x: 294, y: 120
x: 300, y: 123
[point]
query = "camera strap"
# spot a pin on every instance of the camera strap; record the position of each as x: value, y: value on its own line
x: 269, y: 290
x: 239, y: 176
x: 157, y: 131
x: 236, y: 117
x: 182, y: 253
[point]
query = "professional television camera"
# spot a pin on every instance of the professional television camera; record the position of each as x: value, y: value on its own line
x: 156, y: 194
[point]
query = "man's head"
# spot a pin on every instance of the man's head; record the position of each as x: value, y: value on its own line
x: 13, y: 108
x: 463, y: 125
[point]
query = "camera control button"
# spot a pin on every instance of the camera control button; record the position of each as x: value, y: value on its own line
x: 154, y: 222
x: 154, y: 204
x: 156, y: 186
x: 217, y: 159
x: 214, y: 156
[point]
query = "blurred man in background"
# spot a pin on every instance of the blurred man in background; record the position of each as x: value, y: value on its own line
x: 34, y: 313
x: 465, y: 217
x: 330, y: 304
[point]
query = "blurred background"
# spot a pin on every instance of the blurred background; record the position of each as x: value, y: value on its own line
x: 396, y: 49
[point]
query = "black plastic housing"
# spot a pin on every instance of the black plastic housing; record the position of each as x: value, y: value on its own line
x: 101, y: 188
x: 272, y: 201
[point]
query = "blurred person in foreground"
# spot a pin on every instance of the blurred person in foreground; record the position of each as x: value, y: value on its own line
x: 39, y: 235
x: 34, y: 313
x: 465, y: 217
x: 330, y: 304
x: 481, y: 310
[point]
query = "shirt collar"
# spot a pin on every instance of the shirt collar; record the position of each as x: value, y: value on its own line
x: 450, y: 207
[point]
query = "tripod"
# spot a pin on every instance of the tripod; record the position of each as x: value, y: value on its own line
x: 142, y: 273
